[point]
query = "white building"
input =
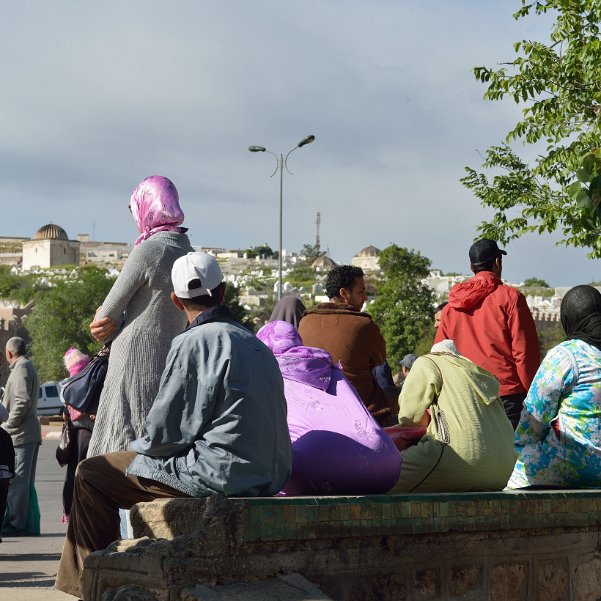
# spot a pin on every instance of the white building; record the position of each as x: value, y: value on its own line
x: 50, y: 247
x: 367, y: 258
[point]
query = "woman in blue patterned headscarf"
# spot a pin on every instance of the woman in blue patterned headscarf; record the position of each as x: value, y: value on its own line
x: 559, y: 434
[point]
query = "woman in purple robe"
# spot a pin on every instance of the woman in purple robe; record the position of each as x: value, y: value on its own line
x: 338, y: 448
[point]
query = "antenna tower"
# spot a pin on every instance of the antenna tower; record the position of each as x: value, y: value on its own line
x: 317, y: 223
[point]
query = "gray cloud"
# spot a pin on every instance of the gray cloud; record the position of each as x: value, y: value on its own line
x: 97, y: 96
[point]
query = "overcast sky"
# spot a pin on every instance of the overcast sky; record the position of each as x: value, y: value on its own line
x: 97, y: 95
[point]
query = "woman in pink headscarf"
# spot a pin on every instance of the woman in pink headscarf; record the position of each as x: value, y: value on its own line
x: 338, y: 448
x: 139, y: 317
x: 80, y: 431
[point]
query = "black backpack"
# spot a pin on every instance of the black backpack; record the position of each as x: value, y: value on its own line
x: 82, y: 391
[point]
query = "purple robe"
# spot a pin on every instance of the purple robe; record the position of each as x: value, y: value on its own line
x: 338, y: 448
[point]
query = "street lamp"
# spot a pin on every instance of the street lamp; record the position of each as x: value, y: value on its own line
x: 282, y: 163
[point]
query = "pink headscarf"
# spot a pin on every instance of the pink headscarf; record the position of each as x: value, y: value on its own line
x: 155, y: 207
x: 75, y: 361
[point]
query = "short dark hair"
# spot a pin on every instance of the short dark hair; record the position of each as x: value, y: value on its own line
x: 342, y: 276
x: 440, y: 307
x: 204, y: 301
x: 485, y: 266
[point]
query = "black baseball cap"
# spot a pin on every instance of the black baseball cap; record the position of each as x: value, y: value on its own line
x: 483, y: 251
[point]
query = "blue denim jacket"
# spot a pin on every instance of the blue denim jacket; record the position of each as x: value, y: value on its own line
x: 218, y: 424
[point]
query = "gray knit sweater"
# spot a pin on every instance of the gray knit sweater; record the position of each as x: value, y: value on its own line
x: 140, y: 298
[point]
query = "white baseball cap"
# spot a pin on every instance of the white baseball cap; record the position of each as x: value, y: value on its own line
x: 198, y: 268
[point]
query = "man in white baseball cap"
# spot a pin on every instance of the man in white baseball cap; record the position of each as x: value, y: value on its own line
x: 195, y: 274
x: 217, y: 426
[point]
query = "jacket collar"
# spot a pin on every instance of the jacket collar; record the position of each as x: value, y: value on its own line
x: 337, y: 308
x: 487, y: 275
x: 11, y: 367
x: 218, y: 313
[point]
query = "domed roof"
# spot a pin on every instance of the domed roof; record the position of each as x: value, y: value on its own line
x: 369, y: 251
x: 323, y: 262
x: 51, y: 231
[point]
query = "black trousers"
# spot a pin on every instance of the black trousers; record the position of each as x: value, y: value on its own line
x: 80, y: 439
x: 513, y: 404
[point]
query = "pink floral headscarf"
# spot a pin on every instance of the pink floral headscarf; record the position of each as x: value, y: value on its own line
x: 155, y: 207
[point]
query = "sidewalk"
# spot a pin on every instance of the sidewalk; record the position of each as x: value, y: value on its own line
x: 28, y: 565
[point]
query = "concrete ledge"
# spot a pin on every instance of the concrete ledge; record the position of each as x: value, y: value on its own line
x: 518, y: 546
x: 300, y: 518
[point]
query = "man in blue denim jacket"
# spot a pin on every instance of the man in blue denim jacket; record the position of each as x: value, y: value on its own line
x: 217, y: 426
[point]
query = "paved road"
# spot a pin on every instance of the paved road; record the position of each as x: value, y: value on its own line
x: 28, y: 565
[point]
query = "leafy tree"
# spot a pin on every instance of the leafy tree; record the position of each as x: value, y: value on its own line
x: 301, y: 274
x: 311, y: 252
x: 260, y: 251
x: 20, y: 288
x: 550, y: 337
x: 61, y: 317
x: 426, y: 340
x: 536, y: 282
x: 559, y: 85
x: 231, y: 301
x: 403, y: 306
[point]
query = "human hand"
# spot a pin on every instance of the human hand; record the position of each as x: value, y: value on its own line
x: 102, y: 329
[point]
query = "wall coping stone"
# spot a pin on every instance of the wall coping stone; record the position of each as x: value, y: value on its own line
x: 501, y: 546
x: 302, y: 518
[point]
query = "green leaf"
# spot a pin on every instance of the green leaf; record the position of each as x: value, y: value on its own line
x: 583, y: 200
x: 574, y: 189
x: 588, y: 164
x: 583, y: 175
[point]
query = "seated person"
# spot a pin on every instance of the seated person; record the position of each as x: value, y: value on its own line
x: 406, y: 364
x: 350, y: 337
x: 338, y: 448
x: 217, y: 426
x: 289, y: 308
x: 469, y: 442
x: 558, y: 437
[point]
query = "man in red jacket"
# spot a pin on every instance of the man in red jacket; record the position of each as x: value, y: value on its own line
x: 491, y: 324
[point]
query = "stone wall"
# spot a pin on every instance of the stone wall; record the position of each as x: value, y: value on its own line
x: 11, y: 324
x: 489, y: 546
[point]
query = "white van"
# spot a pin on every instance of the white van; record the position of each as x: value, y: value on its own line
x: 49, y: 402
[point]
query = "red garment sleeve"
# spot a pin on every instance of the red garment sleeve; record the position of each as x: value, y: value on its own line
x: 524, y: 342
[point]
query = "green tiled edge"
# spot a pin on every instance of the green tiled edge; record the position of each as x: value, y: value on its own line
x: 301, y: 518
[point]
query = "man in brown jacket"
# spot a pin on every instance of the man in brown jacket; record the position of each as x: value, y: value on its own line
x: 350, y: 336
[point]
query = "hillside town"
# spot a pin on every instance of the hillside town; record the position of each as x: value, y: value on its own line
x: 52, y: 254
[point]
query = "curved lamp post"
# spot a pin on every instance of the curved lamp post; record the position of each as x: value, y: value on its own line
x: 282, y: 163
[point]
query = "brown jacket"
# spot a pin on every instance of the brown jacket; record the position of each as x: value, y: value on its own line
x: 352, y: 338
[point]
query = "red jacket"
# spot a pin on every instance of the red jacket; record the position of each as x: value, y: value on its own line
x: 491, y: 324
